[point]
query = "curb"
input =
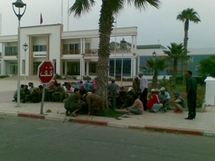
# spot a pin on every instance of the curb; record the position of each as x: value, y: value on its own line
x: 113, y: 124
x: 29, y: 115
x: 174, y: 130
x: 84, y: 121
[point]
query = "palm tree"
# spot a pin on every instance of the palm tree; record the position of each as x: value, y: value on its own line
x: 186, y: 16
x: 156, y: 65
x: 106, y: 20
x: 176, y: 52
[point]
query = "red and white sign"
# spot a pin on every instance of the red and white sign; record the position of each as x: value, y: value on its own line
x: 45, y: 72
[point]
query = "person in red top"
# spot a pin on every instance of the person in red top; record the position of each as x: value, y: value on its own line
x: 154, y: 104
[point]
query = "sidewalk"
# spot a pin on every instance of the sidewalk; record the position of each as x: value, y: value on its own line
x: 203, y: 125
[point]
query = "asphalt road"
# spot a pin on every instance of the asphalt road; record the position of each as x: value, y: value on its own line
x: 23, y: 139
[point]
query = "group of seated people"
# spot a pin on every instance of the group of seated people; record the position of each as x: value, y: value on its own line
x: 80, y: 97
x: 28, y: 93
x: 160, y: 99
x: 157, y: 100
x: 77, y: 96
x: 54, y: 91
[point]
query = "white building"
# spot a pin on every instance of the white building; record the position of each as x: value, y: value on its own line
x: 72, y: 52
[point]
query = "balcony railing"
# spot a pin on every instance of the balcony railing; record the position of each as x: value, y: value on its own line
x: 71, y: 52
x: 94, y: 52
x: 11, y: 53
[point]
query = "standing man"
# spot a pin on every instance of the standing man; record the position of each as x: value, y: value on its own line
x: 143, y: 90
x: 112, y: 91
x: 191, y: 88
x: 136, y: 85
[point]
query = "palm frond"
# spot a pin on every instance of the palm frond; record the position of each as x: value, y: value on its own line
x: 81, y: 6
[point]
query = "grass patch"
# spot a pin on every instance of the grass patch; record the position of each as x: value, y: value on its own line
x: 110, y: 113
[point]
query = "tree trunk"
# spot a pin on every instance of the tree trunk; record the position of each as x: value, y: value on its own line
x: 186, y: 27
x: 174, y: 73
x: 155, y: 79
x: 105, y: 28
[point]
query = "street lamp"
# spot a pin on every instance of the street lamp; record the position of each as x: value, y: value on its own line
x: 25, y: 48
x: 115, y: 50
x: 18, y: 4
x: 154, y: 54
x: 122, y: 46
x: 82, y: 67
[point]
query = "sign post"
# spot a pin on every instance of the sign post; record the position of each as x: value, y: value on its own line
x: 45, y: 74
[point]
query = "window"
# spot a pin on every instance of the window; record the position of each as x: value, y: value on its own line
x: 39, y: 48
x: 126, y: 67
x: 92, y: 68
x: 11, y: 50
x: 71, y: 49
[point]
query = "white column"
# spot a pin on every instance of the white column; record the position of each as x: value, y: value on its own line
x: 134, y: 65
x: 87, y: 66
x: 83, y: 54
x: 81, y: 74
x: 81, y: 59
x: 3, y: 61
x: 65, y: 68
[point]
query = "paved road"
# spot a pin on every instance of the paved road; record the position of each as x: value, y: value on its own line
x: 23, y: 139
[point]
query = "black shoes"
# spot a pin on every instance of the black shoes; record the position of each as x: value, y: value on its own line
x: 189, y: 118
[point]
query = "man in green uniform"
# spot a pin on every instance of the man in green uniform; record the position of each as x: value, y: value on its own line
x: 73, y: 103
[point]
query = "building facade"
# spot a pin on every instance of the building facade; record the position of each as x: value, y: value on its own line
x: 75, y: 53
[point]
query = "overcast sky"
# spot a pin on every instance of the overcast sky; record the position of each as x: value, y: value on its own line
x: 154, y: 25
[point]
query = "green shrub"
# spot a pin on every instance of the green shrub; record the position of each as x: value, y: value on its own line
x: 4, y: 76
x: 164, y: 82
x: 57, y: 76
x: 86, y: 78
x: 200, y: 80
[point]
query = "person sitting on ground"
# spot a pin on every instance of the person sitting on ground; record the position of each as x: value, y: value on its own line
x: 153, y: 103
x: 22, y: 93
x: 31, y: 86
x: 76, y: 84
x: 94, y: 103
x: 94, y: 83
x: 88, y: 85
x: 35, y: 96
x: 82, y: 90
x: 59, y: 93
x: 72, y: 84
x: 26, y: 90
x: 178, y: 102
x: 137, y: 107
x: 164, y: 98
x: 82, y: 84
x: 50, y: 89
x: 73, y: 103
x: 120, y: 100
x: 68, y: 90
x: 129, y: 98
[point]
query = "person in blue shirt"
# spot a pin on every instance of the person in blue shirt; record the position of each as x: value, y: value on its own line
x: 164, y: 98
x: 88, y: 85
x: 77, y: 85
